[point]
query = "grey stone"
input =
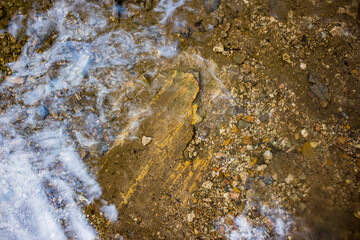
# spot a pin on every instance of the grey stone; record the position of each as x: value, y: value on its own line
x: 211, y: 5
x: 319, y: 89
x: 239, y: 58
x: 243, y: 124
x: 264, y: 118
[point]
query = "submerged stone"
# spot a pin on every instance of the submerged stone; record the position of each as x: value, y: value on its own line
x: 137, y: 175
x: 243, y: 124
x: 41, y: 113
x: 308, y: 151
x: 145, y: 140
x: 211, y: 5
x: 268, y: 180
x: 239, y: 58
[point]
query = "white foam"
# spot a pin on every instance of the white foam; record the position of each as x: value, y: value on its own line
x: 110, y: 212
x: 245, y: 230
x: 167, y: 8
x: 15, y: 25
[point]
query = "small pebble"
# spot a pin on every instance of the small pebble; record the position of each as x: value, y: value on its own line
x: 304, y: 133
x: 289, y: 179
x: 268, y: 155
x: 145, y: 140
x: 191, y: 217
x: 303, y: 66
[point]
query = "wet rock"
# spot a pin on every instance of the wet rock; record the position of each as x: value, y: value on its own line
x: 338, y: 32
x: 319, y: 89
x: 21, y: 116
x: 342, y: 140
x: 243, y: 124
x: 219, y: 48
x: 264, y: 118
x: 239, y: 58
x: 303, y: 66
x: 308, y: 151
x: 211, y: 5
x: 236, y: 5
x: 83, y: 153
x: 278, y: 9
x: 268, y: 180
x: 145, y: 140
x: 77, y: 108
x: 41, y: 113
x: 5, y: 94
x: 268, y: 155
x: 304, y: 133
x: 246, y: 68
x: 286, y: 57
x: 103, y: 148
x: 246, y: 141
x: 289, y: 179
x: 250, y: 194
x: 207, y: 185
x: 234, y: 195
x: 243, y: 177
x: 209, y: 23
x: 191, y: 217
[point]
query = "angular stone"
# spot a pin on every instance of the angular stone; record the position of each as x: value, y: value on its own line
x: 243, y: 124
x: 239, y: 58
x: 246, y: 141
x: 145, y: 140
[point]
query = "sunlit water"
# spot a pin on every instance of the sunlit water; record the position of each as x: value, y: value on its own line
x: 68, y: 97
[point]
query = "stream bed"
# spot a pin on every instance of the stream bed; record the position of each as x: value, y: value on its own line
x: 177, y: 119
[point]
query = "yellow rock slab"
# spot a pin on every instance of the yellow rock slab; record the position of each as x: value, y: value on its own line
x: 135, y: 177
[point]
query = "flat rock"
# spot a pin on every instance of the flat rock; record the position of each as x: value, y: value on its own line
x: 318, y: 88
x: 243, y: 124
x: 308, y: 151
x: 133, y: 176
